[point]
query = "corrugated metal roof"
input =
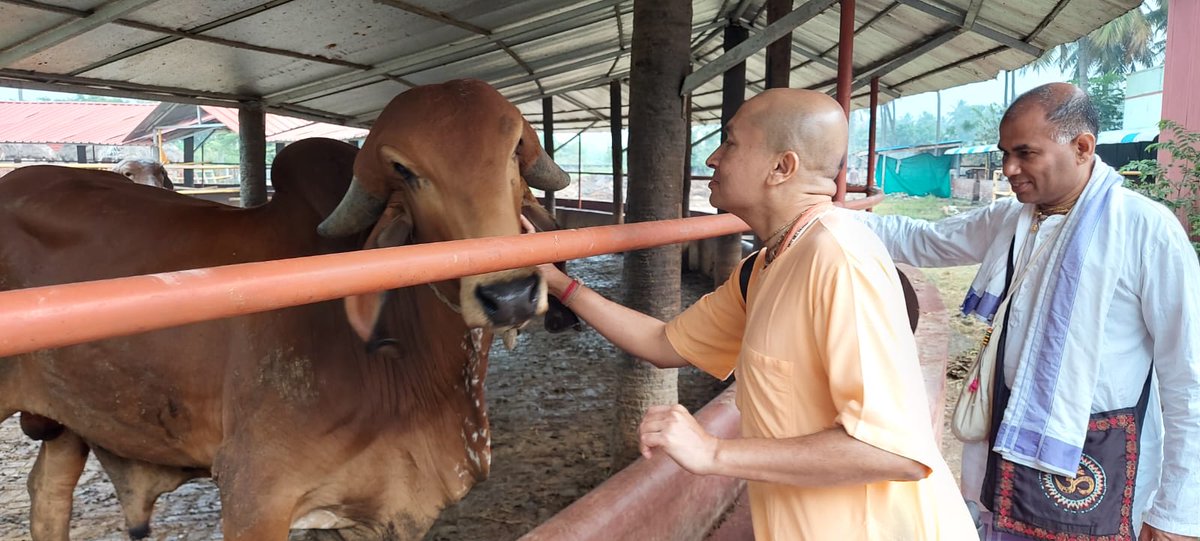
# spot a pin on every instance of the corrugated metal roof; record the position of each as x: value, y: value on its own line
x: 342, y: 61
x: 82, y: 123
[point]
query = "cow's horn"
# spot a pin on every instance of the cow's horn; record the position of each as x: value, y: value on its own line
x: 544, y: 174
x: 358, y: 210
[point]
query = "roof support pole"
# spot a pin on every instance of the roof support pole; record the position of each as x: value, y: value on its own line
x: 686, y: 205
x: 252, y: 139
x: 661, y: 49
x: 728, y: 248
x: 779, y: 52
x: 189, y: 156
x: 871, y: 133
x: 548, y: 144
x: 614, y: 103
x: 845, y: 77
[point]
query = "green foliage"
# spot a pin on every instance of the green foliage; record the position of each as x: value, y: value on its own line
x: 1184, y: 167
x: 1108, y: 95
x: 971, y: 124
x: 975, y: 124
x: 1130, y: 42
x: 222, y: 147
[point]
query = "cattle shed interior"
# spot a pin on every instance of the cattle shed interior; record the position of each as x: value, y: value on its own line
x: 342, y: 61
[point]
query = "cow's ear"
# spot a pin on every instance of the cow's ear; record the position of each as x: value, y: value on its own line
x: 537, y: 215
x: 394, y: 228
x: 166, y: 179
x: 362, y: 311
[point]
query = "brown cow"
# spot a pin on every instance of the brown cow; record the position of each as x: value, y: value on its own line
x: 300, y: 420
x: 144, y: 172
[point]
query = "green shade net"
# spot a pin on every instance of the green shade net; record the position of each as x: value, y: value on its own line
x: 920, y: 175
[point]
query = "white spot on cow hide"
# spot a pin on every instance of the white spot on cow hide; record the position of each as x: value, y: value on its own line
x: 291, y: 376
x: 510, y: 339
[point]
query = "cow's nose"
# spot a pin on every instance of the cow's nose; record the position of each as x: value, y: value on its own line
x: 509, y: 303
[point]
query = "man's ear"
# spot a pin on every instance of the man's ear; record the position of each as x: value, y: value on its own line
x: 786, y: 165
x: 1085, y: 147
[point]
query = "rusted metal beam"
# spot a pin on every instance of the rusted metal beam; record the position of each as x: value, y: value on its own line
x: 55, y: 316
x: 845, y: 76
x: 871, y: 133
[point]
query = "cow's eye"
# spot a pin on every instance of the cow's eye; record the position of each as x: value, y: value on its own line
x: 404, y: 172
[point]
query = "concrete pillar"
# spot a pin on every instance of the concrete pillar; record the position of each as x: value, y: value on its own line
x: 661, y: 60
x: 252, y: 135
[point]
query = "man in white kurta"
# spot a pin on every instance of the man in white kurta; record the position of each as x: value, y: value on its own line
x: 1151, y: 294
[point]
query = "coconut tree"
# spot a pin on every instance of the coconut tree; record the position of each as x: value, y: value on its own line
x: 1125, y: 44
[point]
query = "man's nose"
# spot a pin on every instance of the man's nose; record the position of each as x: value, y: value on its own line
x: 1010, y: 168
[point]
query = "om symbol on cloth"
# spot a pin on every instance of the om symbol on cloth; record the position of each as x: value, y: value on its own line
x: 1078, y: 495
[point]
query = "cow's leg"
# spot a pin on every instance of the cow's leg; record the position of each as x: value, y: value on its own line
x: 138, y: 485
x: 51, y: 484
x: 255, y: 505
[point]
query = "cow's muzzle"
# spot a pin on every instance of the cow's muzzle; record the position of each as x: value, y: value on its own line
x: 511, y: 302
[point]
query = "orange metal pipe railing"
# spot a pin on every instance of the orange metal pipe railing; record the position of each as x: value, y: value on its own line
x: 54, y: 316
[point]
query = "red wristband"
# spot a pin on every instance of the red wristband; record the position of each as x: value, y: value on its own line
x: 570, y: 290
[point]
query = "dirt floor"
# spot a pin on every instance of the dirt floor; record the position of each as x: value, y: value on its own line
x: 551, y: 408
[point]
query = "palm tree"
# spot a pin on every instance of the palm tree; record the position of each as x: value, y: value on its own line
x: 1125, y: 44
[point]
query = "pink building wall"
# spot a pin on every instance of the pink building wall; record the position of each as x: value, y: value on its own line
x: 1181, y: 77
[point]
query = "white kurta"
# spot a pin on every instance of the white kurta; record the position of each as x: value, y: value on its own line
x: 1154, y: 317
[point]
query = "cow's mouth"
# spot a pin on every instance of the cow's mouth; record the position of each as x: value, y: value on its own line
x: 502, y: 301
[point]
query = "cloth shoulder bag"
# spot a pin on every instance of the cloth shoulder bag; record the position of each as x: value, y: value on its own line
x: 973, y: 411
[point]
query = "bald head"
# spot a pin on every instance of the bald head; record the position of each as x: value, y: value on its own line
x: 1068, y: 109
x: 806, y: 122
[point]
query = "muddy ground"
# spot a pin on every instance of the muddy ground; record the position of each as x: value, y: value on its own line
x: 551, y: 408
